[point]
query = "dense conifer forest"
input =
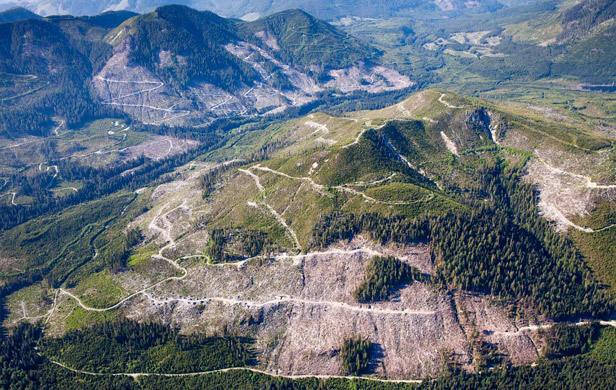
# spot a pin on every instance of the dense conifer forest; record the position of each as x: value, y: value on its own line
x: 503, y: 248
x: 355, y: 355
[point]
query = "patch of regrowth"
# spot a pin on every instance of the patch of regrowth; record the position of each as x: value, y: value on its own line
x: 355, y: 355
x: 99, y: 290
x: 227, y: 245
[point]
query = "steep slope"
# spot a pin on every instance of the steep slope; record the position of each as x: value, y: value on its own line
x: 108, y: 19
x: 304, y: 41
x: 589, y: 28
x: 40, y: 52
x: 196, y: 37
x: 181, y: 66
x: 46, y: 66
x: 587, y: 15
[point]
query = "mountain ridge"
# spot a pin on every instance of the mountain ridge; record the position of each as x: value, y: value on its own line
x: 328, y: 9
x: 15, y: 14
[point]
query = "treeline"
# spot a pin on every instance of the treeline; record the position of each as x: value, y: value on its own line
x: 209, y: 180
x: 22, y: 368
x: 568, y: 340
x: 335, y: 227
x: 487, y: 253
x: 382, y: 276
x: 503, y: 248
x: 355, y: 355
x: 128, y: 346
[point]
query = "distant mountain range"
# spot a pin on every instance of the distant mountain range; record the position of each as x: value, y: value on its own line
x: 324, y: 9
x: 17, y: 13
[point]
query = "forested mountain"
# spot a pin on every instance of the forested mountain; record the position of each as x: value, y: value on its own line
x: 179, y: 66
x: 176, y: 66
x: 587, y: 15
x: 199, y: 40
x: 210, y: 67
x: 342, y: 50
x: 46, y: 67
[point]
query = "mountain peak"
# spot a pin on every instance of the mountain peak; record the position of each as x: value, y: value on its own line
x: 166, y: 11
x: 294, y: 14
x: 295, y: 11
x: 15, y: 14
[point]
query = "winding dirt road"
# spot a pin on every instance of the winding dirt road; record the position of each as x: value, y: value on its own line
x: 551, y: 209
x: 156, y: 85
x: 271, y: 209
x: 442, y: 101
x: 588, y: 183
x: 222, y: 370
x: 281, y: 299
x: 321, y: 188
x: 554, y: 212
x: 167, y: 236
x: 531, y: 328
x: 356, y: 141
